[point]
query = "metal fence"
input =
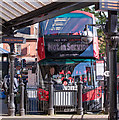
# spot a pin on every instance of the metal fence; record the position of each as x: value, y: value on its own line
x: 65, y: 100
x: 33, y: 104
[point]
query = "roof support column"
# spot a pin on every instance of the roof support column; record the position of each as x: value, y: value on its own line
x: 112, y: 35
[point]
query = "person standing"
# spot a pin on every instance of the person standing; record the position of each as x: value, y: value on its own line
x: 50, y: 73
x: 6, y: 87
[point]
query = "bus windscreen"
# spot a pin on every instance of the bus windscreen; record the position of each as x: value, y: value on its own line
x: 73, y: 23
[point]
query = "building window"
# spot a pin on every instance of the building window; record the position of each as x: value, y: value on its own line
x: 18, y: 49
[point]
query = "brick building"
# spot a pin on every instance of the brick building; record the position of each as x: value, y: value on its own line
x: 27, y: 51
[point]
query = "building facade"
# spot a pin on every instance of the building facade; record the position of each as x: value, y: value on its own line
x: 27, y: 51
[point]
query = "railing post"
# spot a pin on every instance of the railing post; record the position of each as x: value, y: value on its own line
x: 80, y: 108
x: 51, y: 109
x: 22, y: 111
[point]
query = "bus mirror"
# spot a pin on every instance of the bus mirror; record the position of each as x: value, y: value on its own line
x: 87, y: 35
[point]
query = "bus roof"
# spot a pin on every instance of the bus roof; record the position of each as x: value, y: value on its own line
x: 83, y: 12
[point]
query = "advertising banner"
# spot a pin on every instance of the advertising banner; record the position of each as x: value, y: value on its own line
x: 100, y: 70
x: 70, y: 46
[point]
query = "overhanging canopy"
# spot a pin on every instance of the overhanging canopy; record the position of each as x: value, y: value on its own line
x: 16, y: 14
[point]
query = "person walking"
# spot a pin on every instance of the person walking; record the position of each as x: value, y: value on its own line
x: 6, y: 87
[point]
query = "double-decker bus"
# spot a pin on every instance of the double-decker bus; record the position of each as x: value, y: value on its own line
x: 67, y: 53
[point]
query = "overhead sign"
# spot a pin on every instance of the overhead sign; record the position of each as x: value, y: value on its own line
x: 13, y: 40
x: 108, y: 5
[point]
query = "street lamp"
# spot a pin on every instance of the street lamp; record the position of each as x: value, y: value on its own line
x: 11, y: 106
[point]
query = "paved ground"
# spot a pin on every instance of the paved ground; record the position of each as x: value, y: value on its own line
x: 56, y: 117
x: 3, y: 108
x: 4, y: 112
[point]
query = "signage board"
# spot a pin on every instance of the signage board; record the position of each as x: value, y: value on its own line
x: 13, y: 40
x: 106, y: 5
x: 100, y: 70
x: 61, y: 46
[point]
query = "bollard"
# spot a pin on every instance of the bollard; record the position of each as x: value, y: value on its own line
x: 22, y: 111
x: 51, y: 109
x: 80, y: 108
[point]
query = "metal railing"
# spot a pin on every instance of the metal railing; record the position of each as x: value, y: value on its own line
x: 65, y: 100
x: 33, y: 104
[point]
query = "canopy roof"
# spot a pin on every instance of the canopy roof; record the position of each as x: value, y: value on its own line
x: 11, y: 9
x: 16, y: 14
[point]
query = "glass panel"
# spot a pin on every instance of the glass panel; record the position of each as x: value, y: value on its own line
x: 68, y: 72
x: 68, y: 23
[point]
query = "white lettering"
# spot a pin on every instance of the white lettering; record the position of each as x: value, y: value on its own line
x: 60, y: 46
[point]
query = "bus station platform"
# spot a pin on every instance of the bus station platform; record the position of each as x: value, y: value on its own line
x: 56, y: 117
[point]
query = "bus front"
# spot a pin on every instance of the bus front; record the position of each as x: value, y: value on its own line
x: 67, y: 50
